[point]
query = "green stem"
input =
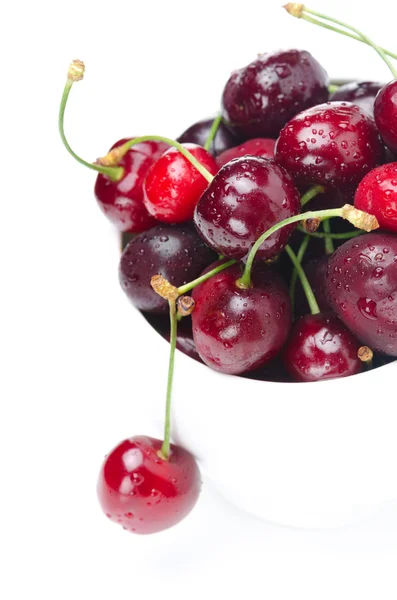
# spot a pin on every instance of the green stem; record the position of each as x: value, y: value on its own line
x: 335, y: 236
x: 328, y: 242
x: 192, y: 284
x: 213, y: 131
x: 310, y: 297
x: 333, y: 88
x: 165, y: 448
x: 312, y: 193
x: 114, y: 173
x: 365, y: 38
x: 294, y: 277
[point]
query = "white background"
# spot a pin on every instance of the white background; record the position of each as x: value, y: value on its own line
x: 74, y: 377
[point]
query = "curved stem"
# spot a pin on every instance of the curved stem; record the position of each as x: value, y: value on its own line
x: 312, y: 193
x: 334, y: 236
x: 307, y: 288
x: 183, y: 289
x: 165, y: 448
x: 333, y: 88
x: 328, y: 242
x: 213, y: 131
x: 294, y: 277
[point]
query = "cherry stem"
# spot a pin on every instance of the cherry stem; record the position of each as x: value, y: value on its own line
x: 364, y: 38
x: 294, y: 277
x: 312, y: 193
x: 328, y: 241
x: 165, y: 448
x: 114, y: 173
x: 183, y: 289
x: 307, y: 288
x: 213, y: 131
x: 333, y: 88
x: 334, y: 236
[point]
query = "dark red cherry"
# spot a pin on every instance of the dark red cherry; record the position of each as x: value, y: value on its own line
x: 122, y: 201
x: 263, y: 147
x: 144, y: 493
x: 238, y: 330
x: 247, y: 197
x: 321, y: 347
x: 259, y: 99
x: 199, y: 132
x: 385, y: 113
x: 173, y: 185
x: 333, y: 144
x: 362, y: 93
x: 377, y: 195
x: 176, y: 252
x: 361, y: 287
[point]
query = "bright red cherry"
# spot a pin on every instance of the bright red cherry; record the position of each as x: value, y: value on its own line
x: 237, y: 330
x: 247, y: 197
x: 144, y: 493
x: 198, y: 134
x: 362, y: 93
x: 385, y: 113
x: 333, y: 144
x: 259, y: 99
x: 321, y: 347
x: 122, y: 201
x: 173, y: 185
x: 263, y: 147
x: 377, y: 195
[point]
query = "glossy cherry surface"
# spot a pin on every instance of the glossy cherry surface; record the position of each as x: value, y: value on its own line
x: 144, y: 493
x: 260, y: 98
x: 377, y: 195
x: 239, y: 330
x: 385, y: 113
x: 122, y: 201
x: 361, y: 287
x: 173, y: 185
x: 176, y: 252
x: 263, y: 147
x: 198, y: 134
x: 247, y: 197
x: 362, y: 93
x: 333, y: 144
x: 321, y: 347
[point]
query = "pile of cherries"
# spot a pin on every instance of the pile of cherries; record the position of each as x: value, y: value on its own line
x: 233, y: 249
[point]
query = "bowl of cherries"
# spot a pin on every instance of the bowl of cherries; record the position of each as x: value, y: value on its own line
x: 261, y: 246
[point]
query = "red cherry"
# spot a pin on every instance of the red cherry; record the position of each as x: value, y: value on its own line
x: 173, y: 185
x: 122, y: 201
x: 144, y: 493
x: 377, y: 195
x: 362, y: 93
x: 385, y: 113
x: 257, y: 147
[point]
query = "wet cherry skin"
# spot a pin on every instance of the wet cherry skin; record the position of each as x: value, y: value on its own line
x: 257, y: 147
x: 321, y: 347
x: 247, y: 197
x: 385, y: 113
x: 144, y: 493
x: 260, y: 98
x: 122, y: 201
x: 198, y: 134
x: 173, y: 185
x: 361, y: 288
x: 377, y: 195
x: 238, y: 330
x: 176, y: 252
x: 333, y: 144
x: 362, y: 93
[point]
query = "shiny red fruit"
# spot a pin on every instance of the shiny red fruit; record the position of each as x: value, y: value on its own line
x: 144, y: 493
x: 173, y: 185
x: 377, y: 195
x: 321, y: 347
x: 362, y: 93
x: 263, y: 147
x: 122, y: 201
x: 333, y: 144
x: 385, y: 113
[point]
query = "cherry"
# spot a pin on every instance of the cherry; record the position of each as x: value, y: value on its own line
x: 361, y: 287
x: 184, y: 336
x: 377, y: 194
x: 259, y: 99
x: 236, y: 330
x: 173, y: 185
x: 333, y: 144
x: 362, y: 93
x: 385, y: 113
x: 143, y: 492
x: 246, y: 198
x: 122, y: 201
x: 257, y: 147
x: 321, y: 347
x: 198, y: 134
x: 176, y: 252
